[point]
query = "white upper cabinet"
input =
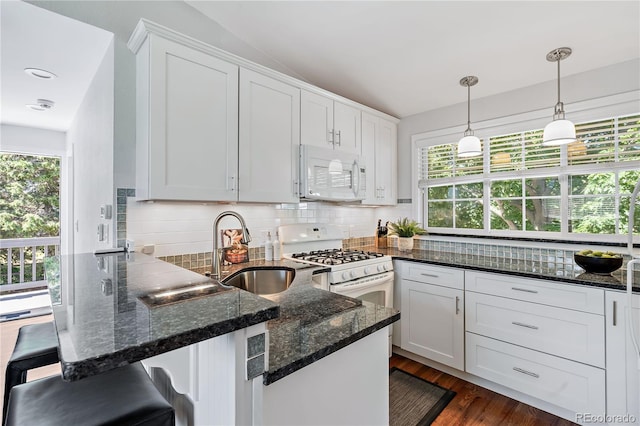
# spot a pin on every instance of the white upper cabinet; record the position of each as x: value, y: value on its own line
x: 187, y: 124
x: 316, y: 120
x: 379, y: 148
x: 269, y: 139
x: 212, y: 126
x: 346, y: 125
x: 329, y: 124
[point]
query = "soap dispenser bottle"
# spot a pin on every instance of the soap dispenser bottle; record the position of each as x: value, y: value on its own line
x: 277, y: 252
x: 268, y: 248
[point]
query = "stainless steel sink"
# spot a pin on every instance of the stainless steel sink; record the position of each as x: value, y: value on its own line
x: 262, y: 280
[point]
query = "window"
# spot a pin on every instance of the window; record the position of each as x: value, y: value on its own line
x: 519, y: 186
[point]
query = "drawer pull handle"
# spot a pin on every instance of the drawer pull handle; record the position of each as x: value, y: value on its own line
x: 526, y: 290
x: 615, y: 313
x: 429, y: 275
x: 533, y: 327
x: 457, y: 305
x: 528, y: 373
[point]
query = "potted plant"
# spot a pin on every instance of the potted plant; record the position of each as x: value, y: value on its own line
x: 405, y: 229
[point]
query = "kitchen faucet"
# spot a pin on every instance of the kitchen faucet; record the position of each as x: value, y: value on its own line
x: 246, y: 237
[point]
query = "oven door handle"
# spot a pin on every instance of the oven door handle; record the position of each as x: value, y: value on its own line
x: 364, y: 282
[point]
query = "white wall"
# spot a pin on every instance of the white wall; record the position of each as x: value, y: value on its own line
x: 29, y: 140
x: 91, y: 140
x: 615, y: 79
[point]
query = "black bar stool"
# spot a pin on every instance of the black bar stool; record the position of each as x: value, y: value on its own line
x: 36, y: 346
x: 123, y: 396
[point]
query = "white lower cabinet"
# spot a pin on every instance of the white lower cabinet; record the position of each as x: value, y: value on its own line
x: 570, y: 334
x: 542, y: 338
x: 568, y: 384
x: 432, y: 319
x: 623, y: 368
x: 567, y: 346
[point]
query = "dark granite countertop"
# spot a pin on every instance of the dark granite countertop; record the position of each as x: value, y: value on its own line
x: 115, y: 309
x: 313, y: 323
x: 524, y: 268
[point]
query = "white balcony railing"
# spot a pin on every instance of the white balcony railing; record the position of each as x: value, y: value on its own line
x: 21, y: 261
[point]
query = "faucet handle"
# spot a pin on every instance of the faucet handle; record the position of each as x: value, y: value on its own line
x: 246, y: 236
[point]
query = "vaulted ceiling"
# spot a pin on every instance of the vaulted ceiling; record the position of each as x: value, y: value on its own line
x: 34, y: 37
x: 408, y: 57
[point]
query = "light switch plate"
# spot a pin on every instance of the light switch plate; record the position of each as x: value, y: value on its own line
x: 106, y: 211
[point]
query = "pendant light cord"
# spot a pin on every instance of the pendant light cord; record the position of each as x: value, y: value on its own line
x: 469, y: 108
x: 558, y: 81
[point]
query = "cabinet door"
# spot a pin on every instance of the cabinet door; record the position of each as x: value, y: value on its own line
x: 623, y: 374
x: 346, y: 126
x: 269, y: 139
x: 370, y: 129
x: 386, y: 163
x: 316, y: 120
x: 433, y: 322
x: 193, y: 124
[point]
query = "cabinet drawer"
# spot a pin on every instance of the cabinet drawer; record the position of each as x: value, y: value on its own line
x: 550, y: 293
x: 431, y: 274
x: 575, y: 335
x: 567, y: 384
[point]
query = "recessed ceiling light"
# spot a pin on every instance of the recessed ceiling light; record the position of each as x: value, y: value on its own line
x: 41, y: 105
x: 38, y: 73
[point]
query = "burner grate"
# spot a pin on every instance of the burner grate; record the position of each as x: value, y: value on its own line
x: 336, y: 256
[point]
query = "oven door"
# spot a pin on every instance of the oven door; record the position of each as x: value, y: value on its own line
x: 377, y: 289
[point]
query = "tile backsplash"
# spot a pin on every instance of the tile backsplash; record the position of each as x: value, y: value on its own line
x: 179, y: 228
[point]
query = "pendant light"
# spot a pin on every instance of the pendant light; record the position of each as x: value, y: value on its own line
x: 560, y: 131
x: 469, y: 145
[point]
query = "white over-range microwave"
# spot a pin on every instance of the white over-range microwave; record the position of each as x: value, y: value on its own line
x: 331, y: 175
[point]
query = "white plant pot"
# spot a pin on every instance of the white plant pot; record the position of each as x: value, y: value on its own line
x: 405, y: 243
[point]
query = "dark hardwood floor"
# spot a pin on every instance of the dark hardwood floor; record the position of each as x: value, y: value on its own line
x: 475, y: 405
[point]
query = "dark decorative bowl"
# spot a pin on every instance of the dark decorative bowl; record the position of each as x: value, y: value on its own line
x: 598, y: 265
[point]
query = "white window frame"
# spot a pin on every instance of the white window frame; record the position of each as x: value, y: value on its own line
x: 590, y: 110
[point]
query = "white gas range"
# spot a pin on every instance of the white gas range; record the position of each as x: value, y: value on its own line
x: 360, y: 274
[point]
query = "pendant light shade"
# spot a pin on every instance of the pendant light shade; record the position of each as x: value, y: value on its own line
x: 560, y: 131
x: 469, y: 145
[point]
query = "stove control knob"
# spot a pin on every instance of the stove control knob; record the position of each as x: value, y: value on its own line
x: 367, y: 271
x: 353, y: 274
x: 380, y: 268
x: 345, y: 275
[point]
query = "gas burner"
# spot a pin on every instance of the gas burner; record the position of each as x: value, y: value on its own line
x: 336, y: 256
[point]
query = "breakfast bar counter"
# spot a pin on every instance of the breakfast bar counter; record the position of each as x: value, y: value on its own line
x: 114, y: 309
x: 218, y: 345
